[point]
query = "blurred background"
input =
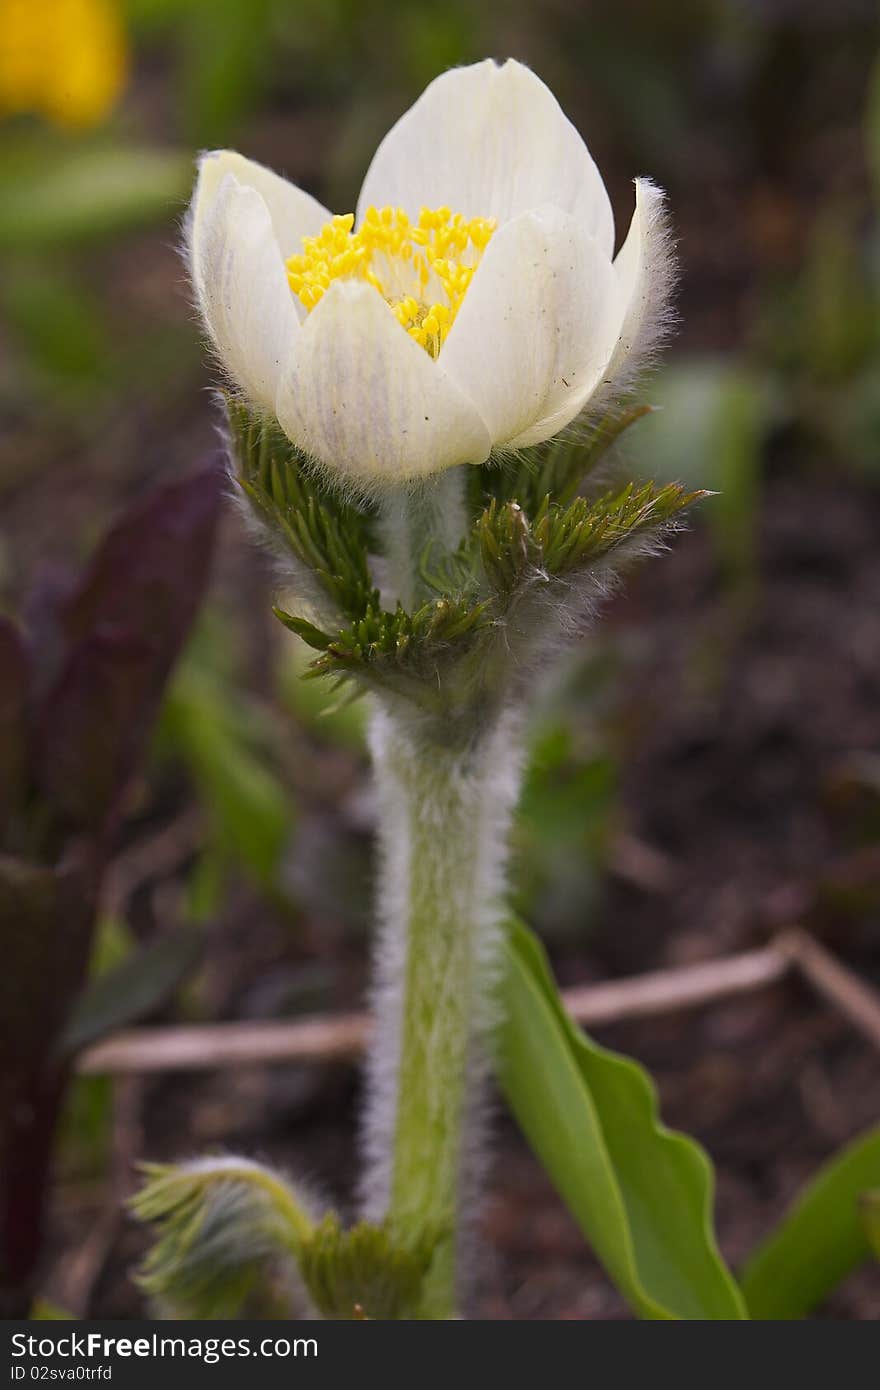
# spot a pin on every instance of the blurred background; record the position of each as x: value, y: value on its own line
x: 704, y: 770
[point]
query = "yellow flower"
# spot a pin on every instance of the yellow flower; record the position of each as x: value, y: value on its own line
x: 66, y: 60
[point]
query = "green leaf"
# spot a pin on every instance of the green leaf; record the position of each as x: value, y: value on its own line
x: 301, y: 627
x: 228, y: 51
x: 641, y: 1194
x: 248, y: 804
x: 333, y: 719
x: 711, y: 428
x: 869, y: 1208
x: 821, y: 1239
x: 68, y: 193
x: 57, y: 323
x: 141, y: 983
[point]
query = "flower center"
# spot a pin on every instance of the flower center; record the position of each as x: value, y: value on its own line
x: 421, y: 268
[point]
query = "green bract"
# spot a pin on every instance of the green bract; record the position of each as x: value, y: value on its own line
x: 532, y: 551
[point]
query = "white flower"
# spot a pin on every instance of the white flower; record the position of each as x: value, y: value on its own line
x: 472, y: 304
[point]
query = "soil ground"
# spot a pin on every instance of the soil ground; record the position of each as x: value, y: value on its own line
x: 746, y: 746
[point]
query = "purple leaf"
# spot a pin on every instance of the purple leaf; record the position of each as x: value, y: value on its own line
x: 15, y: 678
x: 125, y: 626
x: 46, y: 917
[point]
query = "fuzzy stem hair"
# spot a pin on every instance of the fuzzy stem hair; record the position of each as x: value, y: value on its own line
x: 415, y: 520
x: 444, y: 815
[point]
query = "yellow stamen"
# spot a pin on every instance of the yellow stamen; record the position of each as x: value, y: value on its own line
x: 422, y: 269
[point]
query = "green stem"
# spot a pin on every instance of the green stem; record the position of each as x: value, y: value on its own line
x: 421, y: 523
x: 444, y: 814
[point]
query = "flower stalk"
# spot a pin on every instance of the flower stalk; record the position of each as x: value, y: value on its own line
x: 444, y: 814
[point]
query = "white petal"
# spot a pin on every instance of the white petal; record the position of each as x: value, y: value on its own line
x: 242, y: 290
x: 533, y: 337
x: 361, y: 397
x: 489, y: 141
x: 294, y: 213
x: 645, y: 270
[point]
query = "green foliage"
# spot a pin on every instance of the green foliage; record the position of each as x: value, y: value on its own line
x: 230, y: 756
x: 817, y: 337
x: 44, y: 1311
x: 825, y: 1235
x: 321, y: 531
x: 229, y: 1233
x: 712, y: 424
x: 559, y: 540
x: 513, y: 548
x: 226, y: 52
x: 555, y: 469
x: 235, y: 1239
x: 869, y: 1208
x: 342, y: 722
x: 54, y: 193
x: 84, y: 1137
x: 561, y: 830
x: 361, y: 1273
x: 641, y: 1193
x: 58, y: 324
x: 872, y: 125
x: 386, y: 644
x: 131, y: 990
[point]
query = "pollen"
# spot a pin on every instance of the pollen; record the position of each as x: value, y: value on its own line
x: 421, y: 268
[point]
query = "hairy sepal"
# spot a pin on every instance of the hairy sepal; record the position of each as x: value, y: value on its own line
x: 497, y: 564
x: 229, y: 1234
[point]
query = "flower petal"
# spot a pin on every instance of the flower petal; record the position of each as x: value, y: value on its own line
x: 645, y: 270
x: 361, y: 397
x: 294, y: 213
x: 532, y: 339
x: 241, y: 288
x: 489, y: 141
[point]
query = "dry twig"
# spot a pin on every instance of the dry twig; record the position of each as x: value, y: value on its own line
x: 838, y: 984
x: 202, y: 1047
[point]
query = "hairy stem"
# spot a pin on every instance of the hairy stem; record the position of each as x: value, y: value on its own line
x: 444, y: 815
x: 419, y: 524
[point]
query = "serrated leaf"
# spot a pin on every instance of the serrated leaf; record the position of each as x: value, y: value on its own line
x: 821, y: 1239
x: 642, y: 1194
